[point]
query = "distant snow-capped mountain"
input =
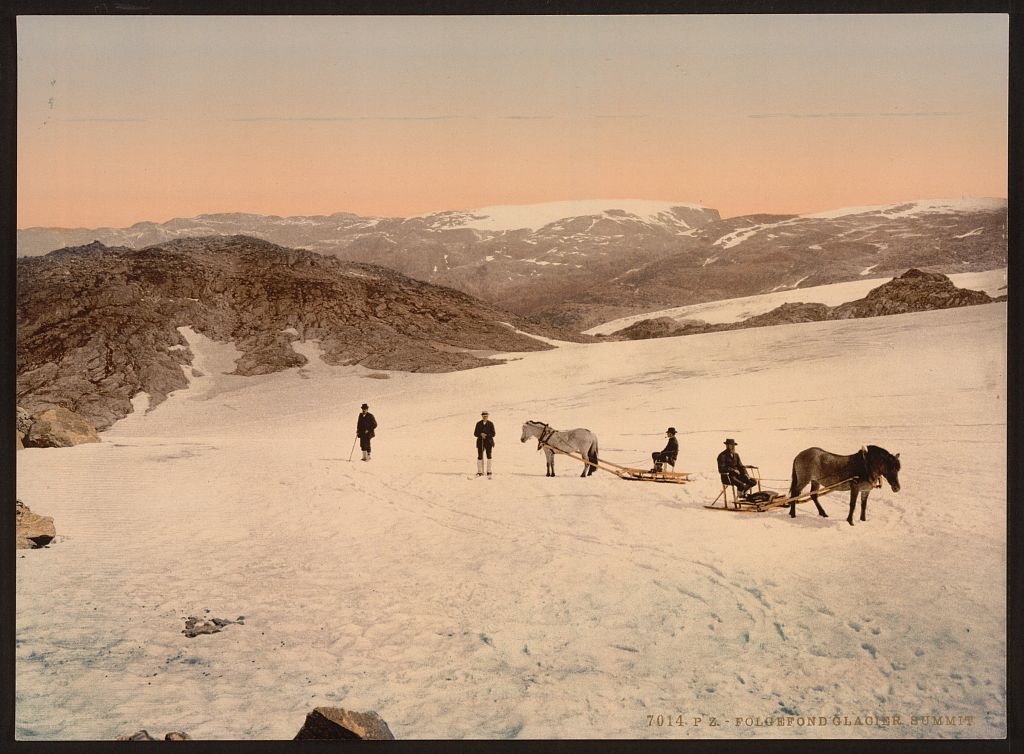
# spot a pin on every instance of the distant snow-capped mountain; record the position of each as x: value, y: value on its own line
x: 578, y: 263
x: 676, y: 215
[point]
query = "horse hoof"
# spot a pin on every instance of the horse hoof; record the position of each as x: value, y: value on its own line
x: 823, y: 515
x: 849, y: 522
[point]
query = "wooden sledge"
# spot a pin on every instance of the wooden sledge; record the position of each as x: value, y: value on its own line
x: 627, y: 473
x: 764, y: 500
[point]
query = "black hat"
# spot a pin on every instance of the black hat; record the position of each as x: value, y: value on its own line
x: 731, y: 441
x: 671, y: 430
x: 364, y: 406
x: 484, y: 413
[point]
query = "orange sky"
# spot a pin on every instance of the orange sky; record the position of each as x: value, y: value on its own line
x: 132, y: 118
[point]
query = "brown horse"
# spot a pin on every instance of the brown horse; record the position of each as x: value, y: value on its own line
x: 857, y: 473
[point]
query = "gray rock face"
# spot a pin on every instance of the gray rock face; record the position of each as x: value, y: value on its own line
x: 30, y: 529
x: 97, y: 325
x: 913, y: 291
x: 59, y: 428
x: 338, y: 723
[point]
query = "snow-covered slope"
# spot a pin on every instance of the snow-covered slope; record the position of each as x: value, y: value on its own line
x: 526, y: 606
x: 993, y: 282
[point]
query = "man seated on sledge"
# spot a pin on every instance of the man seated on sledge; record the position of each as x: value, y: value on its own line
x: 732, y: 469
x: 667, y: 457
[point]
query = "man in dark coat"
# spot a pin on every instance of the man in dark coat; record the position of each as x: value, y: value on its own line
x: 365, y: 425
x: 732, y: 469
x: 484, y: 434
x: 667, y: 457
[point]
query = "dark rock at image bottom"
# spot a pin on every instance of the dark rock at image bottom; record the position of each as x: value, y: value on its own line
x: 323, y: 723
x: 335, y: 722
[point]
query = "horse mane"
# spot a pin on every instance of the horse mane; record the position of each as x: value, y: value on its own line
x: 873, y: 451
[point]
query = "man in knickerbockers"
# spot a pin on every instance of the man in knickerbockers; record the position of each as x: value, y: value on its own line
x: 484, y: 434
x: 365, y: 425
x: 667, y: 456
x: 732, y: 469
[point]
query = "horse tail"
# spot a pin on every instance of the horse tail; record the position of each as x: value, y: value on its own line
x: 593, y: 454
x: 794, y: 485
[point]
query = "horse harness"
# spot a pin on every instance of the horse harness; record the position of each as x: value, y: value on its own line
x: 876, y: 482
x: 545, y: 435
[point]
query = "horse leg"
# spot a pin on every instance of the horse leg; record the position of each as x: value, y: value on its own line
x: 550, y: 461
x: 864, y: 504
x: 814, y: 497
x: 853, y: 503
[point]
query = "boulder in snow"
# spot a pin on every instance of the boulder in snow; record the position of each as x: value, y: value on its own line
x: 335, y: 722
x: 30, y: 529
x: 59, y: 428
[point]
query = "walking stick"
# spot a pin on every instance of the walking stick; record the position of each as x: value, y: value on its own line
x: 353, y: 450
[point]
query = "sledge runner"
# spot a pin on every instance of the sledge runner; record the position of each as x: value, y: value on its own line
x: 484, y: 434
x: 365, y: 425
x: 667, y: 456
x: 732, y: 469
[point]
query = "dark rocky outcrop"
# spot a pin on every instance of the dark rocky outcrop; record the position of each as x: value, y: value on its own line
x: 913, y: 291
x: 97, y: 325
x: 30, y: 529
x: 338, y: 723
x: 659, y: 327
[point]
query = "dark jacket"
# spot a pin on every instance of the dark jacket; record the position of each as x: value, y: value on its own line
x: 728, y: 460
x: 671, y: 451
x: 484, y: 432
x: 365, y: 424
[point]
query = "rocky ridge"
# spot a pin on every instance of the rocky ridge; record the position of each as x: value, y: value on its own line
x: 97, y: 325
x: 913, y: 291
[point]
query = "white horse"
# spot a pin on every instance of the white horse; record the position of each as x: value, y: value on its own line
x: 579, y: 440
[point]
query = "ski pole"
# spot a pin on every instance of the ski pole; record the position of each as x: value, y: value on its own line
x: 353, y: 450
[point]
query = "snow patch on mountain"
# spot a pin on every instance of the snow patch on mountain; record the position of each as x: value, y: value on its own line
x: 975, y: 232
x: 535, y: 216
x: 918, y: 207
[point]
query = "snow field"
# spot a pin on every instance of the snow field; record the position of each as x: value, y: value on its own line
x: 526, y: 606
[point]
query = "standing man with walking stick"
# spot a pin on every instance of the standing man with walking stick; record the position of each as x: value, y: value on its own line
x: 365, y: 425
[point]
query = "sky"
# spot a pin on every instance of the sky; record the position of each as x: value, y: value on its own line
x: 147, y: 118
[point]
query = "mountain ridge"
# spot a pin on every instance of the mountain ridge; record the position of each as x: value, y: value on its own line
x: 96, y: 325
x: 580, y: 270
